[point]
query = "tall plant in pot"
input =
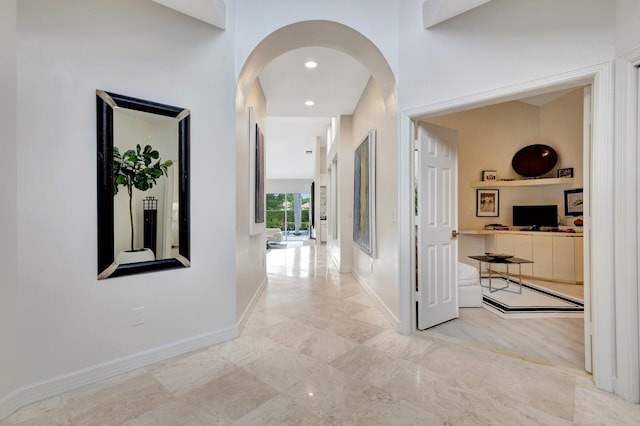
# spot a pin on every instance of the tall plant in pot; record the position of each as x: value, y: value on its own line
x: 140, y: 169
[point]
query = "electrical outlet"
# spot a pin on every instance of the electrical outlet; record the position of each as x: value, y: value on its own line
x: 138, y: 315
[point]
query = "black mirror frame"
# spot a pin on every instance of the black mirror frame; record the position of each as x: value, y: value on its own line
x: 105, y: 103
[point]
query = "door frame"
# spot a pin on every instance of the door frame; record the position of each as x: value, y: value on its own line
x: 601, y: 245
x: 627, y: 297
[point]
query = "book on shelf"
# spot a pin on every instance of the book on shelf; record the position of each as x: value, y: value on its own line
x: 496, y: 227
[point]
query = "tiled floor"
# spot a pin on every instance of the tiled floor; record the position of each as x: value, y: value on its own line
x: 316, y: 351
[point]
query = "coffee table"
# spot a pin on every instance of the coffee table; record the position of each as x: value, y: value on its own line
x: 502, y: 261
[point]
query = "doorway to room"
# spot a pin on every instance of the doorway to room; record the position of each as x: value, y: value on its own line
x: 291, y: 214
x: 556, y: 340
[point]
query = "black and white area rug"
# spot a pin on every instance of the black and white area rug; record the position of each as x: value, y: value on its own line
x: 534, y: 302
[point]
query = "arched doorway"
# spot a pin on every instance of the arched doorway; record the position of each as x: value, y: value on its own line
x: 251, y: 274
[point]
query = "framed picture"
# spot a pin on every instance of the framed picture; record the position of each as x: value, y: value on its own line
x: 573, y: 202
x: 256, y: 187
x: 364, y: 193
x: 489, y: 175
x: 565, y: 173
x: 487, y: 203
x: 259, y: 182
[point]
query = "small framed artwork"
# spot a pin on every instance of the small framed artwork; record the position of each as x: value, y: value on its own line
x: 489, y: 175
x: 573, y: 202
x: 487, y: 203
x: 565, y: 173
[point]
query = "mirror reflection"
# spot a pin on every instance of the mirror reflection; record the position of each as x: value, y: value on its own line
x: 143, y: 186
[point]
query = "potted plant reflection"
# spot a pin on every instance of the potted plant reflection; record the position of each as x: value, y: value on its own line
x: 138, y: 168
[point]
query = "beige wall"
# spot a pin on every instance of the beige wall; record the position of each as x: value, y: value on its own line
x: 489, y: 137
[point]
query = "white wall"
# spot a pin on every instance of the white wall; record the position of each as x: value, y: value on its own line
x: 506, y: 46
x: 9, y: 346
x: 627, y: 28
x: 251, y: 249
x: 500, y: 43
x: 69, y: 48
x: 380, y: 273
x: 66, y: 50
x: 289, y: 186
x: 376, y: 19
x: 344, y: 193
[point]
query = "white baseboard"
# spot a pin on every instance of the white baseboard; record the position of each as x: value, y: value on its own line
x: 393, y: 320
x: 247, y: 312
x: 64, y: 383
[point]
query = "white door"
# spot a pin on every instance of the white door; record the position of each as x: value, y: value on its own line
x: 437, y: 220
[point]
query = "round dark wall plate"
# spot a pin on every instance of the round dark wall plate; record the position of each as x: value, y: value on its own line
x: 534, y: 160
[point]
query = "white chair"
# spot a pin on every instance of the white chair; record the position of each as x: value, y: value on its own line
x: 273, y: 235
x: 469, y: 290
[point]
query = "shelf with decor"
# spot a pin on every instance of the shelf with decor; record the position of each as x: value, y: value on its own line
x: 521, y: 182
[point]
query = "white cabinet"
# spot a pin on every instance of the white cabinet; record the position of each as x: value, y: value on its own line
x: 542, y: 248
x: 564, y: 259
x: 511, y: 244
x: 555, y: 257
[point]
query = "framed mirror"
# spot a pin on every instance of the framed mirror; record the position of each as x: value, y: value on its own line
x: 143, y: 185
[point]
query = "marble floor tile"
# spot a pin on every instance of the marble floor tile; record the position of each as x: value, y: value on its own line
x: 397, y: 345
x: 176, y: 412
x: 369, y: 365
x: 116, y: 400
x: 48, y: 412
x: 279, y: 411
x: 316, y: 351
x: 183, y: 374
x: 231, y: 396
x: 372, y: 316
x: 283, y: 368
x: 308, y: 340
x: 533, y: 386
x: 596, y: 407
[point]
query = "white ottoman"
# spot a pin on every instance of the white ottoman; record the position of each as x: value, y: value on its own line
x: 469, y: 290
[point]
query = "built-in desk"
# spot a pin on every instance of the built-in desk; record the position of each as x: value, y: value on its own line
x: 557, y: 256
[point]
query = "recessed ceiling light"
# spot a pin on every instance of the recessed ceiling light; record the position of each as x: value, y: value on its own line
x: 309, y: 103
x: 311, y: 64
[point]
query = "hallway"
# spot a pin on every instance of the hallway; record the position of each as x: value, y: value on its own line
x: 316, y: 351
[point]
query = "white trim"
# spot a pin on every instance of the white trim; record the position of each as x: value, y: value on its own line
x: 66, y: 382
x: 601, y: 226
x: 388, y: 313
x: 406, y: 225
x: 587, y: 135
x: 247, y: 312
x: 627, y: 182
x: 600, y: 76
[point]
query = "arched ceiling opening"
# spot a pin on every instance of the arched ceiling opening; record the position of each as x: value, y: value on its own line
x: 346, y: 61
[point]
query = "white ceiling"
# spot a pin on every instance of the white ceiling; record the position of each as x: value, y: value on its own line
x: 335, y: 86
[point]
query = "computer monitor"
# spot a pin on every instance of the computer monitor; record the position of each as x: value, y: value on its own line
x: 535, y: 216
